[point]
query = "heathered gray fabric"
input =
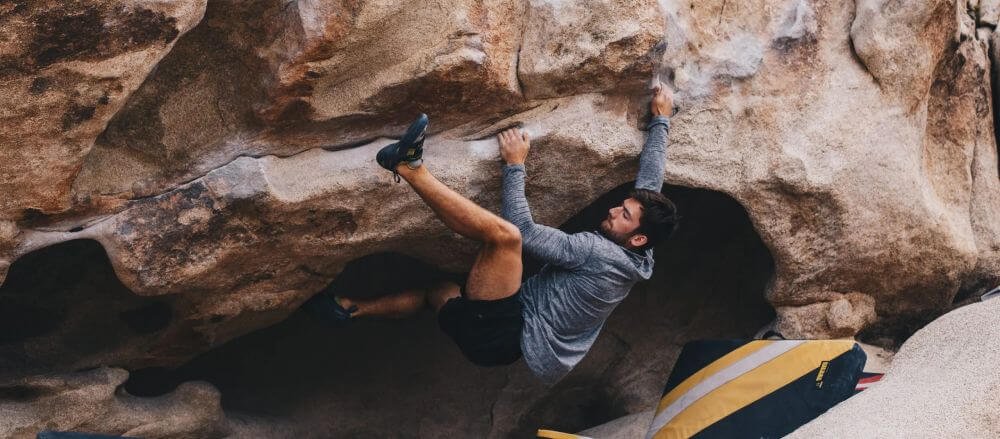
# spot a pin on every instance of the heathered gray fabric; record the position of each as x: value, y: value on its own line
x: 585, y: 275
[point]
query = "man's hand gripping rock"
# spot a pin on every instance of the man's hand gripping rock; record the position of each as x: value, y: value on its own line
x: 663, y: 100
x: 514, y: 146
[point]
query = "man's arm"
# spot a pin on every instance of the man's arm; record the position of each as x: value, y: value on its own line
x: 548, y: 244
x: 652, y: 160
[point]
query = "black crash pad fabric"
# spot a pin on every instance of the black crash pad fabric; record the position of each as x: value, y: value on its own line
x: 754, y: 388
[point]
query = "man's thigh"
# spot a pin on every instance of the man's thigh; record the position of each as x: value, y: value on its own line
x: 496, y: 274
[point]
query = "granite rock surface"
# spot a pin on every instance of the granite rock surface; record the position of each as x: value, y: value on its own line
x: 221, y: 152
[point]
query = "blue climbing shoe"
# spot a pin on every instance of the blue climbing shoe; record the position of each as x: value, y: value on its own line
x: 409, y: 149
x: 328, y: 310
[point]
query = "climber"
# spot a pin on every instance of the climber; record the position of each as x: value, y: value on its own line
x: 554, y: 317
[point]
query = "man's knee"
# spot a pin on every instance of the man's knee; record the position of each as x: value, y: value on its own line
x: 505, y: 234
x: 440, y: 293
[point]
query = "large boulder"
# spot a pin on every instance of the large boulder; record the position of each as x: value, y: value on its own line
x: 222, y: 154
x: 942, y: 383
x: 850, y: 151
x: 67, y: 68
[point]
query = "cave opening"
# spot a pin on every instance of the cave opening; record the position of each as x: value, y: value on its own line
x: 62, y: 308
x: 709, y: 282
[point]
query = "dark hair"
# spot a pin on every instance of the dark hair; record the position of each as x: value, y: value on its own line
x: 659, y: 216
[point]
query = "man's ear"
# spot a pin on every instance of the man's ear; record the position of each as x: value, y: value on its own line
x: 638, y: 240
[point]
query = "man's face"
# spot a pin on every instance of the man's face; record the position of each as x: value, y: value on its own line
x: 622, y: 221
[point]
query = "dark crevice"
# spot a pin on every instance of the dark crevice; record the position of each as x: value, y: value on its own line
x: 861, y: 62
x: 62, y: 308
x: 891, y: 332
x: 854, y: 51
x: 181, y: 185
x: 151, y: 382
x: 385, y: 273
x: 20, y: 321
x: 148, y: 319
x: 709, y: 283
x: 517, y: 70
x: 363, y: 278
x: 995, y: 95
x: 20, y: 393
x: 517, y: 58
x: 972, y: 291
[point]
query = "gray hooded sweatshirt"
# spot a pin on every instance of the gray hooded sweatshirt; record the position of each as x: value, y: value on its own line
x: 585, y: 275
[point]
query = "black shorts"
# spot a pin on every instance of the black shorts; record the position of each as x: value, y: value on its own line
x: 488, y: 332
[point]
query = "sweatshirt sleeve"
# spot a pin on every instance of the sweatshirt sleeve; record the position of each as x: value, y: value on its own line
x: 548, y: 244
x: 653, y: 159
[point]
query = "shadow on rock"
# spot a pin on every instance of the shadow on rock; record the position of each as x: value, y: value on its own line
x: 380, y: 378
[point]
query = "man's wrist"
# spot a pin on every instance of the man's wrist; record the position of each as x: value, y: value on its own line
x: 659, y: 120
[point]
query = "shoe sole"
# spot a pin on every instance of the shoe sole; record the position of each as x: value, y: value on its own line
x: 413, y: 132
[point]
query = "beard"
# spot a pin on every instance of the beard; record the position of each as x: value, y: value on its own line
x: 605, y: 229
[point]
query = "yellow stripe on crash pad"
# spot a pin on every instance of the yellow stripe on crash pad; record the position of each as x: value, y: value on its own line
x: 751, y: 386
x: 713, y: 367
x: 550, y: 434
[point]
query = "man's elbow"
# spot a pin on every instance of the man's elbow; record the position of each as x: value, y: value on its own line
x: 505, y: 234
x: 524, y: 227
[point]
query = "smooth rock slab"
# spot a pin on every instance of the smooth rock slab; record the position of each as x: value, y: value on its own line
x: 942, y: 383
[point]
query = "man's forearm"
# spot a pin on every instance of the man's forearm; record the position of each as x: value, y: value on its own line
x: 515, y: 205
x: 653, y: 159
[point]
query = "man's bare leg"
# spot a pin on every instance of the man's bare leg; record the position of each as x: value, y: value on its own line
x: 393, y: 306
x: 496, y: 273
x: 404, y: 303
x: 457, y: 212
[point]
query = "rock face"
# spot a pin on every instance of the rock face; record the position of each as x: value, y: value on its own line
x: 942, y: 383
x: 411, y: 377
x: 386, y: 377
x: 67, y: 68
x: 221, y: 153
x: 571, y: 48
x: 850, y: 153
x: 90, y: 402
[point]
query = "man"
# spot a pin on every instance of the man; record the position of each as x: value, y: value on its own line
x: 554, y: 317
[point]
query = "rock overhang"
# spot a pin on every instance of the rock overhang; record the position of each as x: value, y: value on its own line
x: 871, y: 181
